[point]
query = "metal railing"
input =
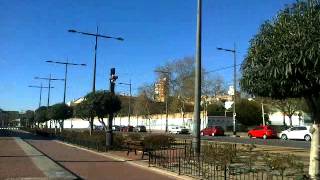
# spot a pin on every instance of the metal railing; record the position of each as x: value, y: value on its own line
x: 179, y: 158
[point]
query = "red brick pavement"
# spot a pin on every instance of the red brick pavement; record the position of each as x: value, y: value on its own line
x: 14, y: 163
x: 89, y: 165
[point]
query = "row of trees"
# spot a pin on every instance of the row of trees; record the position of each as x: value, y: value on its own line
x: 100, y: 104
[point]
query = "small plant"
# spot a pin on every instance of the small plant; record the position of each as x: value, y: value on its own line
x: 283, y: 164
x: 248, y: 156
x: 158, y: 141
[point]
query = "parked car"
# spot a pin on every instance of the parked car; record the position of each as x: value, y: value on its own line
x: 212, y: 131
x: 262, y: 132
x: 176, y: 129
x: 140, y: 129
x: 116, y: 128
x: 98, y: 127
x: 297, y: 132
x: 184, y: 131
x: 127, y: 129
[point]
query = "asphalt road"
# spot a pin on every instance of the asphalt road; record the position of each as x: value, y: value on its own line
x: 245, y: 140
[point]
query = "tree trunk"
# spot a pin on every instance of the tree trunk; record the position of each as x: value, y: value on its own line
x: 109, y: 134
x: 103, y: 124
x: 91, y: 125
x: 284, y: 119
x: 290, y: 119
x: 314, y: 149
x: 314, y: 153
x: 55, y: 126
x: 61, y: 122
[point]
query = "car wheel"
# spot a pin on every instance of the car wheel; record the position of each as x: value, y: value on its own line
x: 307, y: 138
x: 249, y: 135
x: 284, y: 137
x: 212, y: 134
x: 264, y: 136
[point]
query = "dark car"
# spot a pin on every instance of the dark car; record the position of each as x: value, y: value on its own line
x: 212, y: 131
x: 184, y: 131
x: 263, y: 132
x: 140, y: 129
x: 127, y: 129
x: 116, y: 128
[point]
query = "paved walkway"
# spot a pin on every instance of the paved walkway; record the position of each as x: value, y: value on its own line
x: 14, y: 163
x: 85, y: 164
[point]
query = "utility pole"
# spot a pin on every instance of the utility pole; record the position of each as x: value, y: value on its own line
x: 109, y: 134
x: 66, y: 64
x: 40, y: 87
x: 234, y: 51
x: 196, y: 141
x: 96, y: 35
x: 49, y: 79
x: 262, y: 109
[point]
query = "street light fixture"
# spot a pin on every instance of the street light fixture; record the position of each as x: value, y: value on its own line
x: 234, y: 51
x: 129, y: 113
x: 39, y: 87
x: 167, y: 89
x: 49, y: 79
x: 65, y: 74
x: 96, y: 35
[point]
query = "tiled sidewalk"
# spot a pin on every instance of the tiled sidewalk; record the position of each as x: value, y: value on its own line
x: 90, y: 165
x: 14, y: 163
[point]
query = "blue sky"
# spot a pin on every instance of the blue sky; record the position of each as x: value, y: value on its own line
x: 155, y: 32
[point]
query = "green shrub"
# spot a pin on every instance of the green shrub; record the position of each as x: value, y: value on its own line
x: 134, y: 136
x: 157, y: 141
x: 118, y: 141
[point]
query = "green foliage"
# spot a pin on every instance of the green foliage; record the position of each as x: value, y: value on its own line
x: 27, y: 118
x: 118, y: 141
x: 41, y: 114
x: 283, y: 58
x: 157, y: 141
x: 223, y: 154
x: 134, y: 136
x: 283, y: 163
x: 83, y: 110
x: 103, y: 103
x: 215, y: 109
x: 249, y: 113
x: 60, y: 111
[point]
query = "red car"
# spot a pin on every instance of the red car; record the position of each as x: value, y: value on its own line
x: 262, y: 132
x: 212, y: 131
x: 126, y: 129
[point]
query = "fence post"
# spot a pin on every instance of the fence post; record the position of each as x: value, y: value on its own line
x: 185, y: 148
x: 225, y: 172
x: 179, y: 165
x: 149, y: 158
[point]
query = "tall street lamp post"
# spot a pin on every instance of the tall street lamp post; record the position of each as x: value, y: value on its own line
x: 96, y: 35
x: 167, y: 92
x: 234, y: 51
x: 49, y: 79
x: 40, y: 87
x: 197, y: 85
x: 65, y: 74
x: 129, y: 113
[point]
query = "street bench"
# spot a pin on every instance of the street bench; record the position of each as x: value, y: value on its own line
x: 137, y: 145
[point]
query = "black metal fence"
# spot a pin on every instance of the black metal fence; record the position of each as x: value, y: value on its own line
x: 179, y: 158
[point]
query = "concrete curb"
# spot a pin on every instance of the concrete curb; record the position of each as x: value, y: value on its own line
x: 133, y: 163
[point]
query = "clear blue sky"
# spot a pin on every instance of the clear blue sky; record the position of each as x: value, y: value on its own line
x: 155, y: 31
